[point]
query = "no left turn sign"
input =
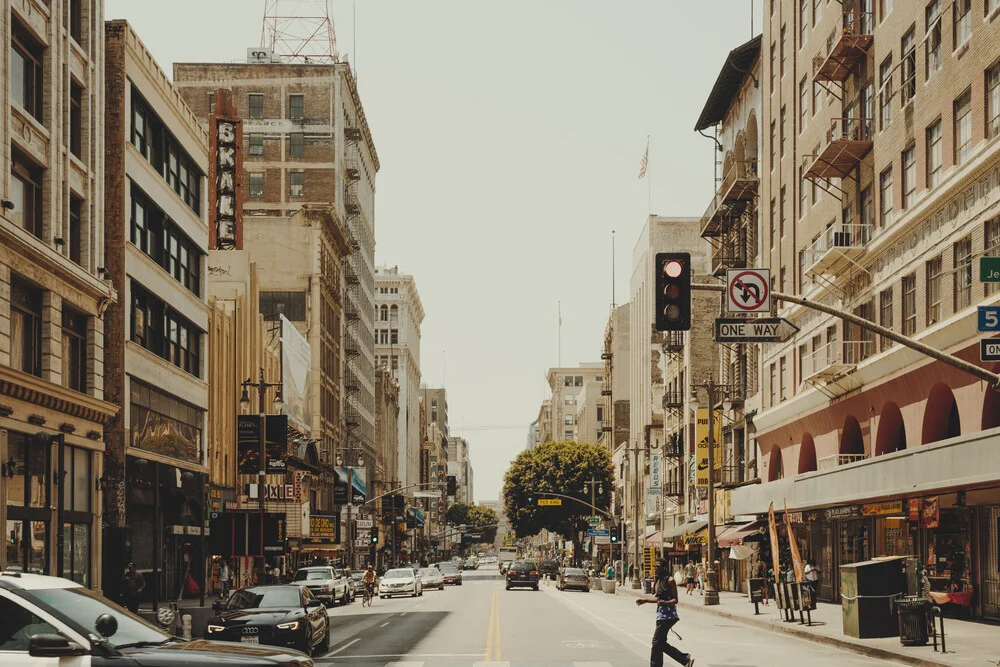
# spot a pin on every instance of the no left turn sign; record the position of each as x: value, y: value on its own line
x: 748, y: 290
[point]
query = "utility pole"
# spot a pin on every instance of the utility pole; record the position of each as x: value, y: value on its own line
x: 262, y: 386
x: 599, y: 487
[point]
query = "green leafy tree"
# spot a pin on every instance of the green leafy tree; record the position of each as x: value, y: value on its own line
x: 484, y: 520
x: 561, y: 467
x: 457, y: 514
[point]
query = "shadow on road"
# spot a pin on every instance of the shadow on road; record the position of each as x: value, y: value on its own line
x: 397, y: 639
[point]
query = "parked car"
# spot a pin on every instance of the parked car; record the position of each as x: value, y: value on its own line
x: 324, y: 582
x: 573, y: 577
x: 548, y: 568
x: 400, y: 581
x: 522, y: 573
x: 55, y: 621
x: 280, y: 615
x: 431, y: 577
x: 450, y: 573
x: 358, y: 584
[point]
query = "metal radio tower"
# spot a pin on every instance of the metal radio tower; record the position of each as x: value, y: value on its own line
x: 299, y: 30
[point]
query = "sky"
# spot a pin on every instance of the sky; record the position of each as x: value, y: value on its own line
x: 510, y: 134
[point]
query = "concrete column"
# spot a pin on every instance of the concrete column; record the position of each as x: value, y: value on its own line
x: 4, y: 316
x: 52, y: 337
x: 95, y: 357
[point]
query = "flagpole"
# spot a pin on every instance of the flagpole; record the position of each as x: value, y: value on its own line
x: 649, y: 178
x: 560, y: 334
x: 613, y: 304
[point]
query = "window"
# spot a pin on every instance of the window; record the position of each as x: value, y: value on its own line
x: 74, y: 349
x: 256, y: 105
x: 783, y: 378
x: 578, y: 380
x: 867, y: 212
x: 817, y: 97
x: 993, y: 101
x: 963, y: 127
x: 600, y: 413
x: 290, y: 304
x: 773, y: 373
x: 803, y: 362
x: 568, y: 420
x: 963, y: 22
x: 75, y: 18
x: 296, y: 107
x: 773, y: 126
x: 909, y: 304
x: 781, y: 131
x: 803, y: 192
x: 962, y: 287
x: 782, y: 279
x: 394, y: 336
x: 885, y: 7
x: 815, y: 186
x: 934, y: 154
x: 75, y: 119
x: 26, y: 78
x: 909, y: 160
x: 784, y: 50
x: 297, y: 144
x: 932, y: 42
x: 885, y: 94
x: 164, y: 332
x: 817, y: 8
x: 934, y: 270
x: 75, y: 230
x: 162, y: 150
x: 774, y: 65
x: 803, y: 21
x: 908, y: 69
x: 25, y: 327
x: 26, y: 193
x: 163, y: 241
x: 885, y: 314
x: 296, y: 183
x: 256, y: 185
x: 803, y: 102
x: 154, y: 413
x: 256, y: 144
x: 774, y: 208
x: 20, y: 624
x: 781, y: 213
x: 885, y: 196
x: 866, y: 109
x: 991, y: 232
x: 211, y: 103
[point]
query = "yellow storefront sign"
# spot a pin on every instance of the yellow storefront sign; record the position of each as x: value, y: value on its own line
x: 701, y: 444
x: 882, y: 509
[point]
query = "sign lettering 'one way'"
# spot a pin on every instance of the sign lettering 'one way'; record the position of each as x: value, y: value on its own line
x: 748, y: 290
x: 989, y: 349
x: 762, y: 330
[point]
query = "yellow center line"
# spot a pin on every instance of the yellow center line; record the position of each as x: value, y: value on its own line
x: 493, y: 626
x: 496, y: 634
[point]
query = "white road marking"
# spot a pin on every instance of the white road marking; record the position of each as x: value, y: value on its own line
x: 495, y: 663
x: 384, y: 624
x: 348, y: 644
x: 407, y: 655
x: 404, y: 664
x: 591, y: 664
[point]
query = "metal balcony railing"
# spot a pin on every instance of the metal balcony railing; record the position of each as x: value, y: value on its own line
x: 728, y: 476
x: 731, y: 253
x: 835, y: 460
x: 835, y: 360
x: 848, y: 141
x: 674, y: 489
x: 673, y: 399
x: 736, y: 190
x: 673, y: 341
x: 837, y: 246
x: 851, y: 40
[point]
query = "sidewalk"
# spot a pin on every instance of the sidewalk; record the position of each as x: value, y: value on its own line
x: 969, y: 644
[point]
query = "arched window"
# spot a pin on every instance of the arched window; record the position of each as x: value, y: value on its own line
x: 807, y: 454
x: 941, y: 420
x: 891, y: 431
x: 774, y: 466
x: 394, y: 314
x: 851, y: 440
x: 384, y: 315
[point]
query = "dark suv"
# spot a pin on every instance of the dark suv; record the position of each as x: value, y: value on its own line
x: 548, y: 568
x: 522, y: 573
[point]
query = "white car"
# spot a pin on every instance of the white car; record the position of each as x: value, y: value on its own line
x: 431, y: 577
x: 400, y: 581
x: 324, y: 582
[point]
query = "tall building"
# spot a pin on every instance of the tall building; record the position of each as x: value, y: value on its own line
x: 436, y: 404
x: 397, y: 347
x: 309, y: 168
x: 156, y: 240
x: 566, y: 385
x: 53, y: 292
x: 615, y: 387
x: 460, y: 467
x: 590, y: 412
x: 879, y: 193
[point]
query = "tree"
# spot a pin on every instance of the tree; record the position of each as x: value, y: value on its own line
x: 457, y: 514
x: 561, y: 467
x: 483, y: 520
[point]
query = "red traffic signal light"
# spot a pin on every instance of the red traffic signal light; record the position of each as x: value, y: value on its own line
x: 673, y: 291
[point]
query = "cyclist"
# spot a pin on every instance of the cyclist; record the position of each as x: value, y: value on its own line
x: 369, y: 581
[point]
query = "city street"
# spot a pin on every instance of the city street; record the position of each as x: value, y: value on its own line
x: 481, y: 623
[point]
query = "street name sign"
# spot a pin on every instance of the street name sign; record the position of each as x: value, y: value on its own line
x: 550, y: 502
x: 595, y: 532
x: 989, y: 318
x: 989, y: 269
x: 427, y: 494
x: 761, y: 330
x: 989, y: 349
x: 364, y: 523
x: 593, y: 521
x: 748, y: 290
x: 602, y: 539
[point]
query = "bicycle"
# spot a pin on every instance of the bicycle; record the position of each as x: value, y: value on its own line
x: 369, y: 595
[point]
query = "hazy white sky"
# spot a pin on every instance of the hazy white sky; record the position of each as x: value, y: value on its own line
x: 510, y: 134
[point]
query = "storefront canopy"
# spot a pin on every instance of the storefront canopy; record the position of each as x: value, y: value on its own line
x: 654, y: 540
x: 691, y: 527
x: 735, y: 535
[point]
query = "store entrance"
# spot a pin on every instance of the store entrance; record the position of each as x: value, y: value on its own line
x: 990, y: 563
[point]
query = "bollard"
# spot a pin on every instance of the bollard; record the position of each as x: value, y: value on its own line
x: 186, y: 625
x: 936, y: 611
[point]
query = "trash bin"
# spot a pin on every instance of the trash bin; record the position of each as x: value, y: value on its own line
x: 912, y: 612
x: 867, y: 590
x: 647, y: 586
x: 608, y: 585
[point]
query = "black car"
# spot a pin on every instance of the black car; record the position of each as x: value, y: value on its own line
x: 277, y: 615
x: 522, y: 573
x: 48, y: 618
x: 548, y: 568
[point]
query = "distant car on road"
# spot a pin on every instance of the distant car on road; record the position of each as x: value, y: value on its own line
x: 431, y: 577
x: 324, y: 582
x: 280, y: 615
x: 450, y: 573
x: 471, y: 564
x: 358, y: 583
x: 400, y: 581
x: 522, y: 573
x: 573, y: 577
x: 504, y: 565
x: 548, y: 568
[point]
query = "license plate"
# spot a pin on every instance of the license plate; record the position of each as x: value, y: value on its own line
x: 249, y: 640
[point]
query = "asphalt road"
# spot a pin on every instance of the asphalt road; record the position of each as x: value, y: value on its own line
x: 480, y: 623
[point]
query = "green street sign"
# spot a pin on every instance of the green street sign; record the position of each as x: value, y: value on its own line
x: 593, y: 521
x: 989, y: 269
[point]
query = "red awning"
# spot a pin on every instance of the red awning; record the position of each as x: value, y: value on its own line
x: 735, y: 534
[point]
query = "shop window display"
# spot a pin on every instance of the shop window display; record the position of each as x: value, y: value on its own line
x: 948, y: 551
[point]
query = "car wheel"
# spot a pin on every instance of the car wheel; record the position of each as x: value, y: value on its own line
x: 535, y: 587
x: 421, y: 592
x: 507, y: 587
x: 324, y: 645
x: 381, y: 597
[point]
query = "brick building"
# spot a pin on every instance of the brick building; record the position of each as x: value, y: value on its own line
x: 879, y: 184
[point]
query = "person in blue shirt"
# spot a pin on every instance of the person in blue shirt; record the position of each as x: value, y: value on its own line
x: 665, y: 599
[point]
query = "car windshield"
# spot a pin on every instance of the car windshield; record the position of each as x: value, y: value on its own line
x: 311, y: 575
x: 573, y: 570
x: 428, y: 572
x: 405, y: 573
x: 523, y: 565
x: 357, y: 576
x: 265, y: 598
x: 82, y: 606
x: 447, y: 567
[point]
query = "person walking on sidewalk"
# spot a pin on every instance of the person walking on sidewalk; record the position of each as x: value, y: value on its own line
x: 134, y: 587
x: 700, y: 573
x: 225, y: 576
x: 812, y: 576
x: 665, y: 599
x: 689, y: 572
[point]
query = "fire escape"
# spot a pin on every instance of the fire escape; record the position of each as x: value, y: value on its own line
x: 724, y: 223
x: 834, y: 256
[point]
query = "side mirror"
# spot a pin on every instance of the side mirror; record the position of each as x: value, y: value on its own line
x: 53, y: 646
x: 106, y: 625
x: 312, y: 604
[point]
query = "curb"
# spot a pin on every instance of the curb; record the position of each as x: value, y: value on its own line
x: 860, y: 649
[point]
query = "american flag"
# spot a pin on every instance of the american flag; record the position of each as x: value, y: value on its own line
x: 645, y: 162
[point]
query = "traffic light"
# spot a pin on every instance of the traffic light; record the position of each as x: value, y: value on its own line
x: 531, y: 499
x: 374, y: 534
x: 452, y: 485
x: 673, y: 291
x: 614, y: 537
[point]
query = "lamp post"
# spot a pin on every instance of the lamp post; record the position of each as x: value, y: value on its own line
x: 350, y: 504
x: 277, y: 405
x: 711, y: 585
x: 599, y: 486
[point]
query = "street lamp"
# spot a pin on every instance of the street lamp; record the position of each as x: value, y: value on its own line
x: 262, y: 386
x: 593, y: 484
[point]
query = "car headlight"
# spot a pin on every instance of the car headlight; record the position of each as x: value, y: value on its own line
x: 294, y: 625
x: 215, y: 628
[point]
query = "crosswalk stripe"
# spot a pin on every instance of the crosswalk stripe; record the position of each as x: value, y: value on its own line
x: 491, y: 663
x: 405, y: 664
x: 591, y: 664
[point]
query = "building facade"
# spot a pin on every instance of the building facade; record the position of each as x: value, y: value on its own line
x: 397, y: 347
x: 156, y: 239
x: 54, y: 295
x: 460, y: 467
x: 566, y: 385
x: 615, y: 387
x: 878, y: 198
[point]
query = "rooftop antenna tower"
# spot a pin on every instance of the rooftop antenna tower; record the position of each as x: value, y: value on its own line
x: 300, y: 31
